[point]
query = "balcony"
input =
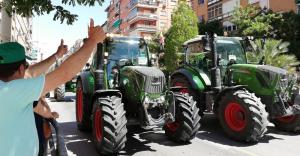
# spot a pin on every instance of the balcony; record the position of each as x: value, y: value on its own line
x: 144, y: 28
x: 143, y: 3
x: 142, y: 16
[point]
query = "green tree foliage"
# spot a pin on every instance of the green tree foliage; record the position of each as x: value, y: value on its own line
x: 184, y: 27
x: 288, y: 29
x: 27, y: 8
x: 274, y: 53
x: 251, y: 21
x: 213, y: 26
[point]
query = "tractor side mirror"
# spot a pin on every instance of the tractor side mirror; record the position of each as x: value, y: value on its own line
x: 206, y: 45
x: 153, y: 59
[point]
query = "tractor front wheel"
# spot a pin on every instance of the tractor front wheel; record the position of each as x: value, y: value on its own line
x: 109, y: 125
x: 242, y: 116
x: 186, y: 124
x: 288, y: 123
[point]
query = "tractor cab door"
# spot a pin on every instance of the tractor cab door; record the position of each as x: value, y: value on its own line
x: 229, y: 51
x: 195, y: 57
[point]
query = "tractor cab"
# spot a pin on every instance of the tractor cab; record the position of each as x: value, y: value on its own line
x: 117, y: 52
x: 229, y: 51
x: 121, y: 52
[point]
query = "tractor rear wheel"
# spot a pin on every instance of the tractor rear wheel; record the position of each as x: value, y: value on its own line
x: 242, y: 116
x: 82, y: 114
x: 186, y: 124
x: 109, y: 125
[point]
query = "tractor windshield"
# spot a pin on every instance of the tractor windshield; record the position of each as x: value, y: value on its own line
x: 230, y: 49
x: 126, y: 51
x: 132, y: 50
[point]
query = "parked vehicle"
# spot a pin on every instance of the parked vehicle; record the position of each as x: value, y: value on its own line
x: 243, y: 96
x: 121, y: 87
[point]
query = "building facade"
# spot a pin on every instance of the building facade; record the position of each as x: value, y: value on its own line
x: 208, y: 10
x: 139, y: 17
x: 16, y: 28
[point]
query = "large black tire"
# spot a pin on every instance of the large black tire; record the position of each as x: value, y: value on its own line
x: 83, y: 114
x: 289, y: 123
x: 109, y: 125
x: 187, y: 119
x: 59, y: 93
x: 242, y: 116
x: 181, y: 81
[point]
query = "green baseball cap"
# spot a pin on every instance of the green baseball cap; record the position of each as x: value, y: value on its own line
x: 11, y: 52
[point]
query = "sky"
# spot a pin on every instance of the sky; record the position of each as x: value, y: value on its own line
x: 48, y: 33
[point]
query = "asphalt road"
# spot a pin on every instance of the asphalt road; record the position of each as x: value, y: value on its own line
x: 210, y: 140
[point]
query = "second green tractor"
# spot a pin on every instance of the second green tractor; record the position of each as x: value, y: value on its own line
x: 245, y: 97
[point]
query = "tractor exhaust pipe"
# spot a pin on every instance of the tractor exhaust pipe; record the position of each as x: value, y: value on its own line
x: 215, y: 70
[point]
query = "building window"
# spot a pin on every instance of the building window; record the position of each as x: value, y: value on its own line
x: 200, y: 18
x: 234, y: 27
x: 163, y: 13
x: 214, y: 11
x: 162, y: 25
x: 200, y: 2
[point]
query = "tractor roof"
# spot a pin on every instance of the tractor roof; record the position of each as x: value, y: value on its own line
x: 199, y: 38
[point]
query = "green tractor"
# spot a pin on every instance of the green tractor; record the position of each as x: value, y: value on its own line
x: 121, y: 87
x: 243, y: 96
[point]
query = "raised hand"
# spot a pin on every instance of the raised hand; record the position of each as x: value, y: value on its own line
x: 62, y: 49
x: 95, y: 33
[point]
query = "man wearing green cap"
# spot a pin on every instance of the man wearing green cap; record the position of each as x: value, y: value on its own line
x: 18, y: 134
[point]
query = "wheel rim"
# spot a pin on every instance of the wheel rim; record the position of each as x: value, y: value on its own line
x: 235, y: 116
x: 287, y: 119
x: 79, y: 104
x: 183, y: 90
x: 98, y: 124
x: 173, y: 126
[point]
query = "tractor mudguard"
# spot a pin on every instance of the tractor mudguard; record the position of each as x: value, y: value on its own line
x: 108, y: 92
x: 220, y: 94
x: 177, y: 88
x: 195, y: 85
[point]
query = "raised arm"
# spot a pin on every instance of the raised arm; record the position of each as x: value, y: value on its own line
x: 43, y: 66
x: 71, y: 66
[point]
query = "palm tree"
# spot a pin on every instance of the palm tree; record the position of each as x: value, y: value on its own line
x: 274, y: 53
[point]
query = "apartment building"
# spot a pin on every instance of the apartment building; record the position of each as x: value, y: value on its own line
x: 16, y: 28
x: 139, y: 17
x: 208, y: 10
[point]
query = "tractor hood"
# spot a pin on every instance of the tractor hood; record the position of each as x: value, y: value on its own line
x: 143, y: 79
x: 262, y: 79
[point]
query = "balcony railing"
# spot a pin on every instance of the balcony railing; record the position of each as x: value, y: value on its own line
x: 141, y: 15
x: 146, y: 28
x: 145, y: 3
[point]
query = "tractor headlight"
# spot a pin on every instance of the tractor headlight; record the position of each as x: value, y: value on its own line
x: 147, y: 99
x: 162, y: 98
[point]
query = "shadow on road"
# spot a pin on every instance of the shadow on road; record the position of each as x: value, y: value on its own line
x: 76, y: 141
x: 67, y: 99
x: 134, y: 144
x: 138, y: 140
x: 212, y: 131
